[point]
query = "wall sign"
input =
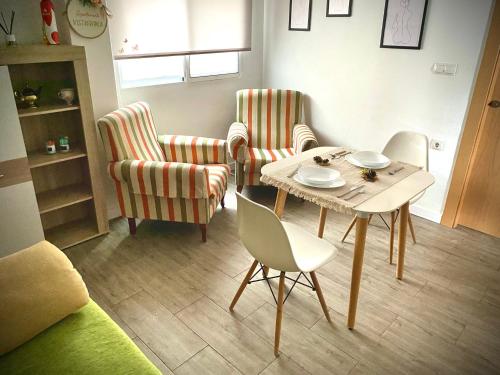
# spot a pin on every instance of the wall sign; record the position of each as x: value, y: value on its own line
x: 86, y: 18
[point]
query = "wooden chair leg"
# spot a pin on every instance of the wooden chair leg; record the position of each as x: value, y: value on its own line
x: 279, y: 314
x: 349, y: 229
x: 132, y: 226
x: 265, y: 271
x: 412, y: 231
x: 320, y: 295
x: 370, y: 218
x: 222, y: 203
x: 322, y: 221
x: 391, y: 236
x: 243, y: 284
x: 239, y: 188
x: 203, y: 228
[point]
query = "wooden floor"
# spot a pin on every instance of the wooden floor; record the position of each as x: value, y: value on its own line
x: 170, y: 293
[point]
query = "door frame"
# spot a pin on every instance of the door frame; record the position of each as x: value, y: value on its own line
x: 474, y: 122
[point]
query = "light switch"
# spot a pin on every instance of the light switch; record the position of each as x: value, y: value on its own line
x: 444, y: 68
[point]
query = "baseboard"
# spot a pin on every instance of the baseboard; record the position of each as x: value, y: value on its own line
x: 426, y: 213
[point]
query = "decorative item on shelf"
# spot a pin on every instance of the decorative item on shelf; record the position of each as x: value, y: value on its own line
x: 50, y: 147
x: 87, y: 18
x: 403, y: 24
x: 50, y: 33
x: 368, y: 174
x: 10, y: 38
x: 64, y: 143
x: 28, y: 97
x: 320, y: 161
x: 67, y: 94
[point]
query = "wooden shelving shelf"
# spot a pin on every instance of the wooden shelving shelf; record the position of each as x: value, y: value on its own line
x: 41, y: 159
x: 72, y: 233
x: 62, y: 197
x: 46, y: 109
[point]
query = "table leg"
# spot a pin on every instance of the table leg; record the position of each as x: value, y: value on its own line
x: 403, y: 225
x: 279, y: 206
x: 357, y: 266
x: 322, y: 221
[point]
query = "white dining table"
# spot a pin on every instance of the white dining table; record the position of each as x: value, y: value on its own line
x: 396, y: 196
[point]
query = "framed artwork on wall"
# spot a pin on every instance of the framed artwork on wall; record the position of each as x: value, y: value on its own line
x: 299, y: 18
x: 403, y: 24
x: 338, y: 8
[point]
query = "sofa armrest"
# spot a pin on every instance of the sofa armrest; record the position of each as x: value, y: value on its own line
x: 195, y: 150
x: 162, y: 179
x: 237, y: 141
x: 303, y: 138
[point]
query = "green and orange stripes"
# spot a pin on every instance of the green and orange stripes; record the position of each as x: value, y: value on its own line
x: 130, y: 133
x: 196, y: 150
x: 269, y: 115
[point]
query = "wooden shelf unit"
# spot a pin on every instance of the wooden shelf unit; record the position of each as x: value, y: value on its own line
x: 68, y: 186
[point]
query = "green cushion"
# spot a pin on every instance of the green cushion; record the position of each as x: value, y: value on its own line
x: 86, y: 342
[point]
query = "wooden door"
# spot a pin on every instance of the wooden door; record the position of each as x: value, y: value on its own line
x: 480, y: 206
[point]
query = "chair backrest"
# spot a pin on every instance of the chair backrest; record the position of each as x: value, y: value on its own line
x: 408, y: 147
x: 263, y: 235
x: 270, y: 116
x: 129, y: 133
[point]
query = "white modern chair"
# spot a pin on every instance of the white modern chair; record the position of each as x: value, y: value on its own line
x: 282, y: 246
x: 408, y: 147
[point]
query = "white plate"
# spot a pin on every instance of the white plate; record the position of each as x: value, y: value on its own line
x: 318, y: 175
x: 355, y: 162
x: 332, y: 184
x: 371, y: 159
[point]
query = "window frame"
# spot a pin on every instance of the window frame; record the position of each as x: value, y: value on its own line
x: 186, y: 79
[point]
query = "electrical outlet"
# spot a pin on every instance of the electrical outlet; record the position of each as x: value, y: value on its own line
x: 437, y: 144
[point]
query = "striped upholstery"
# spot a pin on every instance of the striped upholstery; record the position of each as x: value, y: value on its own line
x: 197, y: 150
x: 268, y: 128
x: 130, y: 133
x: 175, y: 178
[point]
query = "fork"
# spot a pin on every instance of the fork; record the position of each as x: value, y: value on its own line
x: 292, y: 173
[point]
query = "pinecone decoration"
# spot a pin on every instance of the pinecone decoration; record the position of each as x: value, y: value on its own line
x: 369, y: 174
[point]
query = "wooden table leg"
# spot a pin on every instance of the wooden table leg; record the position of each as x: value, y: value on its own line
x: 279, y: 205
x: 403, y: 225
x: 322, y: 221
x: 357, y: 266
x: 391, y: 237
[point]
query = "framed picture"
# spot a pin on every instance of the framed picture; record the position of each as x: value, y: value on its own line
x: 338, y: 8
x: 403, y: 24
x: 299, y: 18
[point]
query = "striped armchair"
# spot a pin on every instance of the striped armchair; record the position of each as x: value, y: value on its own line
x: 174, y: 178
x: 268, y: 128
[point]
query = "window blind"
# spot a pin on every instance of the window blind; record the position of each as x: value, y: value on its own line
x: 153, y: 28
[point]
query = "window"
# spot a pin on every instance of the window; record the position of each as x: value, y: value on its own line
x: 213, y: 64
x: 153, y: 71
x: 150, y: 71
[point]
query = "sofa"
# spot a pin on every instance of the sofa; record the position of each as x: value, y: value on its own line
x: 49, y: 325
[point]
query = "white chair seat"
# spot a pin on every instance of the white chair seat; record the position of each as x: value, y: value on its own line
x: 310, y: 252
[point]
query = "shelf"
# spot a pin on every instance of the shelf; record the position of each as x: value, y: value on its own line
x: 66, y: 196
x: 41, y: 159
x: 72, y: 233
x: 46, y: 109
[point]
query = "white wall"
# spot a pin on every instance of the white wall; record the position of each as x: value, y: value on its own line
x: 203, y: 108
x: 360, y: 94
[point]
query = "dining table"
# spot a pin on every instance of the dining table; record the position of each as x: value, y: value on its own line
x: 392, y: 190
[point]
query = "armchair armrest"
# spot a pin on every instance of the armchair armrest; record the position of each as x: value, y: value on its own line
x: 162, y: 179
x: 196, y: 150
x: 303, y: 138
x: 237, y: 140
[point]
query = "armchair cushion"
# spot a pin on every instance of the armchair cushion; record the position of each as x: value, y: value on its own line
x: 163, y: 179
x: 237, y: 140
x: 303, y: 138
x: 196, y: 150
x: 130, y: 133
x: 218, y: 175
x: 256, y: 158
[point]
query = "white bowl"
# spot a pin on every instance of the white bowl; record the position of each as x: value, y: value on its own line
x: 318, y: 175
x: 370, y: 158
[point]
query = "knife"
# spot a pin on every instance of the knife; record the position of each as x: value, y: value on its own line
x: 350, y: 190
